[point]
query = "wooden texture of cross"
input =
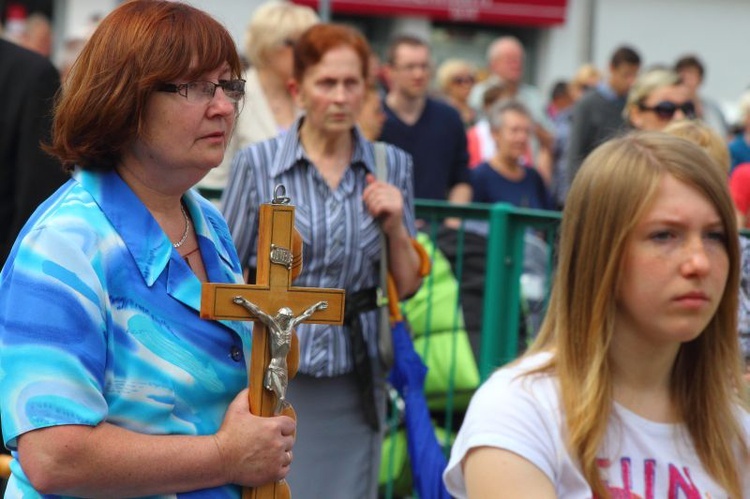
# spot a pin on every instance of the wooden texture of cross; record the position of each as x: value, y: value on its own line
x: 279, y: 262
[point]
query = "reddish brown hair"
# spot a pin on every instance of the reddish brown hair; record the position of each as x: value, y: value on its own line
x: 317, y: 40
x: 139, y: 45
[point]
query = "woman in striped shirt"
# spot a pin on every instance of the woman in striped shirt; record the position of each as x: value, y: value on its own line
x: 328, y: 169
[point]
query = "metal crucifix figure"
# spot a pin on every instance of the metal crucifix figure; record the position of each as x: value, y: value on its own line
x: 280, y: 329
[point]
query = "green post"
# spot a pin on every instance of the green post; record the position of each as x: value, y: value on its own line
x: 496, y: 292
x: 502, y: 299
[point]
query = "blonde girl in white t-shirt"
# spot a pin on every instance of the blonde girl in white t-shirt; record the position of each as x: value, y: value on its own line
x: 633, y: 387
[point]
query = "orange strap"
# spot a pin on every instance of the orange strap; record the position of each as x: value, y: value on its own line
x: 425, y: 265
x: 424, y: 269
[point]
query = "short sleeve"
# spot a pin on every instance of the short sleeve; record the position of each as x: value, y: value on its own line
x: 545, y: 200
x: 516, y: 413
x: 53, y: 348
x: 478, y: 184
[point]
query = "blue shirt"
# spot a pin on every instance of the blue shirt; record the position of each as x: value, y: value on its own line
x: 489, y: 186
x: 341, y: 241
x: 739, y: 151
x: 437, y: 144
x: 99, y: 321
x: 608, y: 93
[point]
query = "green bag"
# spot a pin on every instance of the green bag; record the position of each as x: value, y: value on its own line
x: 440, y: 338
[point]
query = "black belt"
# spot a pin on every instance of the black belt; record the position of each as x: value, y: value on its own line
x: 359, y: 302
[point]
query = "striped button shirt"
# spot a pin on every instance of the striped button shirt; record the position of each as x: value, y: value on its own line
x: 341, y: 239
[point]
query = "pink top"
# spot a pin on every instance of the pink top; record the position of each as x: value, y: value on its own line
x: 739, y: 187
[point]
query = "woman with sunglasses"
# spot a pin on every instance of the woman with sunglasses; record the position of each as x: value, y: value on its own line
x: 455, y: 79
x: 633, y: 387
x: 111, y: 384
x: 656, y: 98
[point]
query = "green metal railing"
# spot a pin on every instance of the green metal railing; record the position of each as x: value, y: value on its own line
x: 501, y: 309
x: 505, y: 246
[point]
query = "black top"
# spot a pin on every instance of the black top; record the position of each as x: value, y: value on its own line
x: 28, y: 175
x: 437, y: 144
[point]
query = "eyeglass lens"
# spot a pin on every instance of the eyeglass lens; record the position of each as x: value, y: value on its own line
x: 202, y: 91
x: 463, y: 80
x: 410, y: 68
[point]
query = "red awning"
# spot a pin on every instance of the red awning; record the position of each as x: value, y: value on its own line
x: 512, y: 12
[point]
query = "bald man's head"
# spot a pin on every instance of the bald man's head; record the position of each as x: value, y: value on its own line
x: 505, y: 57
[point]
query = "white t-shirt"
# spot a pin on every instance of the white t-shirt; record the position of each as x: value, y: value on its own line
x: 522, y: 414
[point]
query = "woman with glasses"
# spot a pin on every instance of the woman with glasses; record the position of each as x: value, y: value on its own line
x: 633, y: 387
x: 329, y: 171
x: 455, y: 79
x: 111, y: 385
x: 656, y: 98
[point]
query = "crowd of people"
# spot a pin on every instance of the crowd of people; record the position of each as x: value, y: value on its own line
x: 136, y: 177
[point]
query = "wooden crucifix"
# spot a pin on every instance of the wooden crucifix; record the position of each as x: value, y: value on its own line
x: 276, y: 307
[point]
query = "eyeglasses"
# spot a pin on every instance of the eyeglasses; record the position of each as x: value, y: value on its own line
x: 463, y: 80
x: 666, y: 109
x: 410, y: 68
x: 201, y: 92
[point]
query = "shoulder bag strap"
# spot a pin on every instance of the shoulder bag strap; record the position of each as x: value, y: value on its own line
x: 385, y: 341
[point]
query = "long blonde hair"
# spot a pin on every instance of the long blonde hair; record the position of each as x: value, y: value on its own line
x: 611, y: 192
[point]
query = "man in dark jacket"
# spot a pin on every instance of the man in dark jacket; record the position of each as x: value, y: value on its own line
x: 597, y: 116
x: 28, y: 83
